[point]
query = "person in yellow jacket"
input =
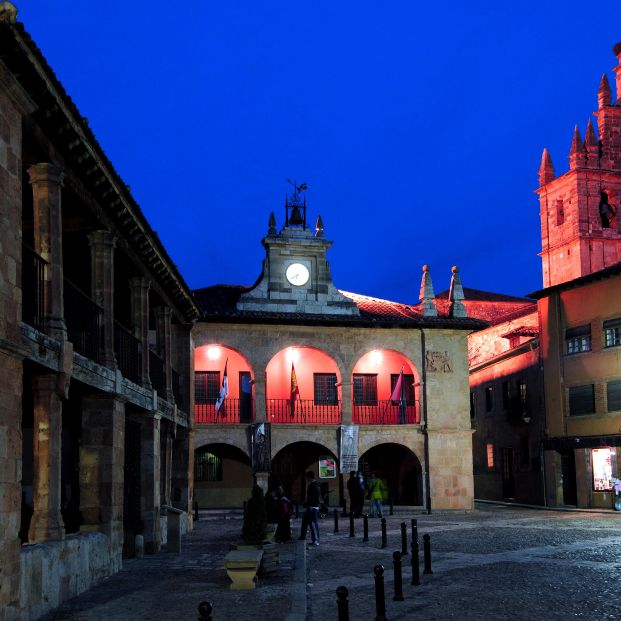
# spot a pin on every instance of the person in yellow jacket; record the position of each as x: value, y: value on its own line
x: 377, y: 492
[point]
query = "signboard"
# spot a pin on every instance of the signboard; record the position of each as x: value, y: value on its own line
x: 602, y: 469
x: 327, y: 468
x: 349, y: 448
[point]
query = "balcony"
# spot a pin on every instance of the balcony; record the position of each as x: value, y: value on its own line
x: 127, y: 350
x: 384, y: 413
x: 33, y: 288
x: 232, y: 411
x: 306, y: 412
x: 156, y: 373
x: 83, y: 318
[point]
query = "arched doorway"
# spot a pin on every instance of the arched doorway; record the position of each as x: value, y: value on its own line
x: 290, y: 464
x: 222, y: 476
x: 401, y: 469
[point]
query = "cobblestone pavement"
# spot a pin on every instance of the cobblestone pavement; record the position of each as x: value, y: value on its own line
x: 494, y: 564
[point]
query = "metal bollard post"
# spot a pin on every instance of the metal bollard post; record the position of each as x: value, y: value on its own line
x: 396, y: 563
x: 351, y: 525
x: 342, y: 603
x: 204, y: 611
x: 365, y: 524
x: 380, y: 599
x: 404, y: 539
x: 415, y: 568
x: 384, y: 538
x: 336, y: 520
x: 427, y: 554
x: 196, y: 510
x: 414, y: 530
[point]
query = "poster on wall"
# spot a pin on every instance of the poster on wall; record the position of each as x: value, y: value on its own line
x: 327, y: 468
x: 349, y: 448
x: 602, y: 469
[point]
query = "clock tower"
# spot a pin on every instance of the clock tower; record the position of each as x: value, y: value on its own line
x: 296, y: 273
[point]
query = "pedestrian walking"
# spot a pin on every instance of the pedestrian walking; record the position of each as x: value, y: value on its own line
x: 309, y: 519
x: 377, y: 492
x: 356, y: 494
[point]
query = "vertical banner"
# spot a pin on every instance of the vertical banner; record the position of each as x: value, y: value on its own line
x: 261, y: 445
x: 348, y: 450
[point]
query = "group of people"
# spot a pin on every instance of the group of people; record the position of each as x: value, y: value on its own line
x: 376, y: 491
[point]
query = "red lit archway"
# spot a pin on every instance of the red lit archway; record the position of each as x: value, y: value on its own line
x: 378, y: 395
x: 317, y: 377
x: 209, y: 364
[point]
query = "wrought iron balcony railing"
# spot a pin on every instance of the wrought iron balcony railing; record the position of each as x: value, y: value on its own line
x: 33, y: 288
x: 385, y: 413
x: 233, y: 410
x: 156, y: 373
x: 306, y: 411
x: 83, y: 318
x: 127, y: 350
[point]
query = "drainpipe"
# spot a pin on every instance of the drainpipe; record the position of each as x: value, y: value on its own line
x: 424, y: 422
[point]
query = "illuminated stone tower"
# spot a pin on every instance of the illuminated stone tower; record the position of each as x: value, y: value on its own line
x: 580, y: 226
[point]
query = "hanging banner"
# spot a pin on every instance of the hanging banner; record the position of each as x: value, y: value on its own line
x: 348, y: 454
x: 261, y: 443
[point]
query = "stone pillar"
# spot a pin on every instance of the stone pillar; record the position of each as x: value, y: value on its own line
x: 102, y: 289
x: 166, y: 447
x: 139, y: 287
x: 183, y: 362
x: 102, y: 463
x: 163, y: 316
x: 260, y: 404
x: 346, y: 406
x: 180, y: 470
x: 150, y: 482
x: 47, y: 522
x: 46, y: 181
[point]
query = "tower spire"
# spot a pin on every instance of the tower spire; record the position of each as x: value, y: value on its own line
x: 456, y: 295
x: 604, y: 94
x: 591, y: 146
x: 577, y: 151
x: 546, y: 169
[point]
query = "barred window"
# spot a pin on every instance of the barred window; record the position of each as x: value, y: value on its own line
x: 613, y: 394
x: 582, y: 400
x: 522, y: 392
x: 408, y: 386
x: 207, y: 466
x: 325, y: 388
x: 578, y: 339
x: 206, y: 386
x: 612, y: 332
x: 365, y: 389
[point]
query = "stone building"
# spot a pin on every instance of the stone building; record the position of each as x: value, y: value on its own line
x: 95, y: 351
x: 580, y: 310
x: 331, y: 381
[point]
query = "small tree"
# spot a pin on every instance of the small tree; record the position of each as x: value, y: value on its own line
x: 255, y: 518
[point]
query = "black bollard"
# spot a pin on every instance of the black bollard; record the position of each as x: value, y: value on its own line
x: 365, y: 524
x: 204, y: 611
x: 415, y: 568
x: 336, y: 520
x: 384, y: 538
x: 414, y: 530
x: 404, y: 539
x: 297, y: 511
x: 396, y: 563
x: 427, y: 554
x: 342, y: 603
x: 351, y: 525
x: 380, y: 599
x: 392, y: 508
x: 196, y: 510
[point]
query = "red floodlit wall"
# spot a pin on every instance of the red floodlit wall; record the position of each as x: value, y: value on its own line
x: 307, y: 361
x: 384, y: 363
x: 213, y: 357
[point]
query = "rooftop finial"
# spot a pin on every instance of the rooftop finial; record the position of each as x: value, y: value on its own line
x: 8, y: 12
x: 271, y: 225
x: 427, y: 294
x: 319, y: 227
x: 456, y: 295
x: 604, y: 94
x: 577, y: 150
x: 546, y: 169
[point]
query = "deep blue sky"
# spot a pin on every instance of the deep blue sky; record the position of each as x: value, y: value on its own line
x: 418, y: 128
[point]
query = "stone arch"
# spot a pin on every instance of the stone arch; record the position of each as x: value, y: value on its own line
x: 220, y: 435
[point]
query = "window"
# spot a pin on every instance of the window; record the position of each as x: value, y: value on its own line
x: 522, y: 392
x: 207, y: 386
x: 490, y: 456
x: 560, y: 212
x: 365, y: 389
x: 325, y: 388
x: 489, y: 399
x: 582, y: 400
x: 612, y: 332
x: 473, y: 405
x: 505, y: 395
x: 408, y: 386
x: 613, y: 395
x: 578, y: 339
x: 207, y: 466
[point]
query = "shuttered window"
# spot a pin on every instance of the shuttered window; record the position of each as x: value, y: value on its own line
x: 206, y: 386
x: 613, y: 394
x: 365, y: 389
x: 582, y: 400
x: 408, y: 386
x: 325, y: 388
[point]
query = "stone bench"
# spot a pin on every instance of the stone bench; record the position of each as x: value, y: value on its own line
x: 242, y: 567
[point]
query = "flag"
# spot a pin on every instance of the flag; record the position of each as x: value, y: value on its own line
x: 224, y: 391
x: 397, y: 394
x: 295, y: 391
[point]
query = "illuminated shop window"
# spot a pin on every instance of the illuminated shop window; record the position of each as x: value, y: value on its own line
x: 602, y: 469
x: 612, y: 332
x: 613, y: 395
x: 490, y: 456
x: 578, y: 339
x: 582, y: 400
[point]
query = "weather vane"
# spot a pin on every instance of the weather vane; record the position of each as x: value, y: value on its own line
x: 297, y: 188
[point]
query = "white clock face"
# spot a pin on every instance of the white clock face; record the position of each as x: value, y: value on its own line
x: 297, y: 274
